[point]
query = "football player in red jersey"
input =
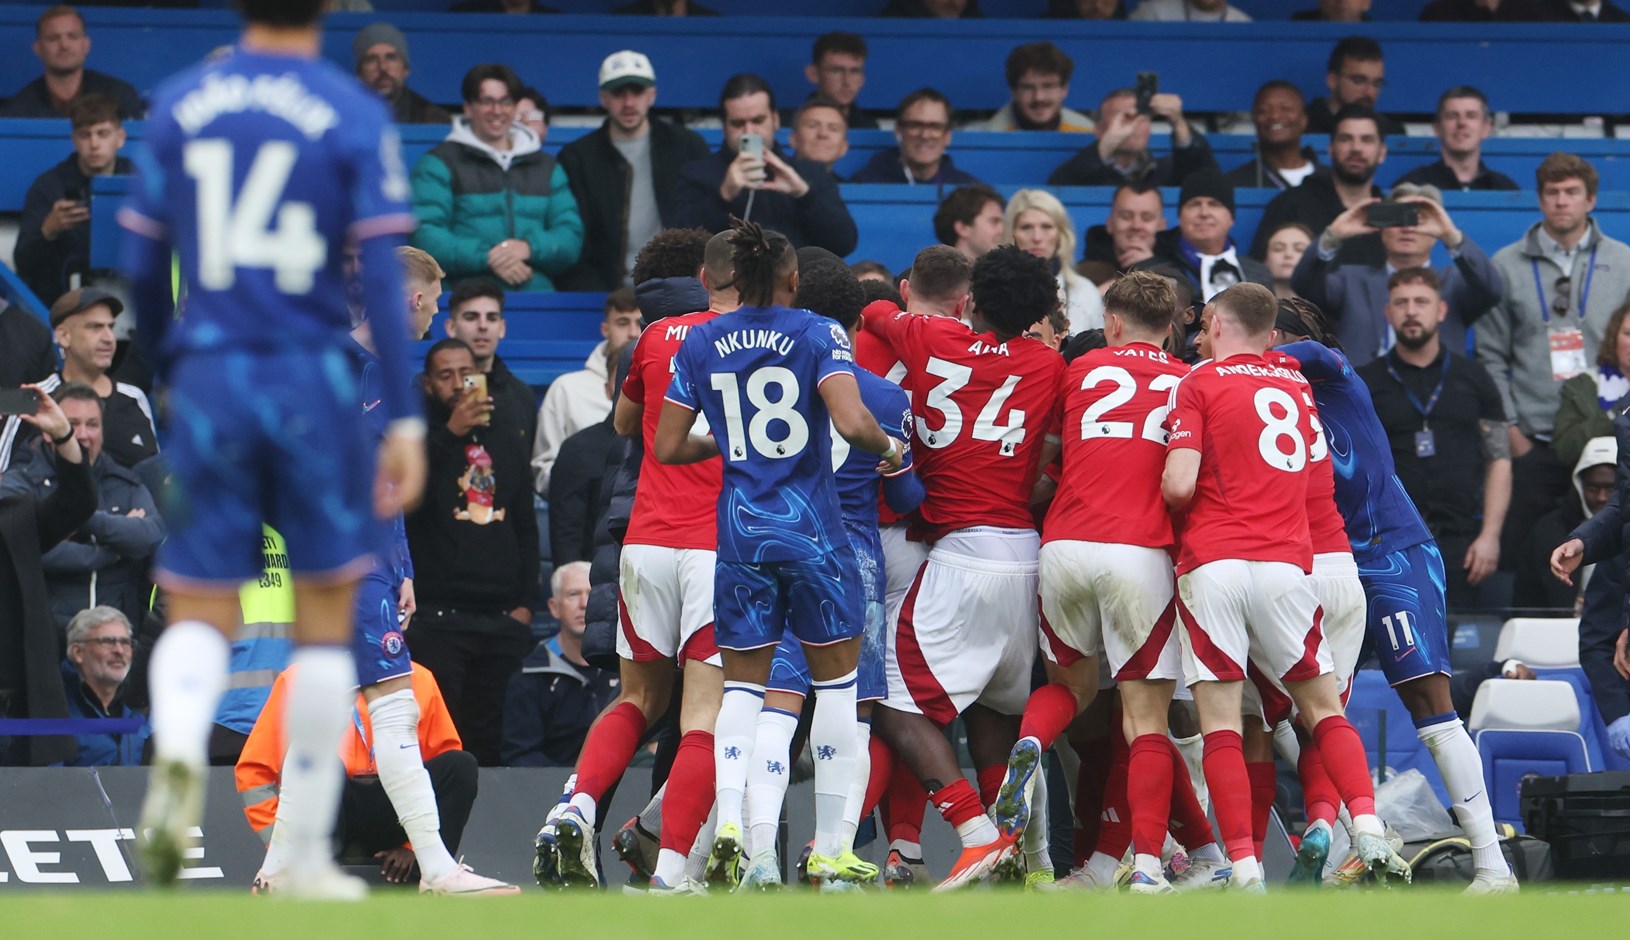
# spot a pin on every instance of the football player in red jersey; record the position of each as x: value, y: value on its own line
x: 665, y: 613
x: 1236, y: 475
x: 1106, y: 576
x: 983, y: 396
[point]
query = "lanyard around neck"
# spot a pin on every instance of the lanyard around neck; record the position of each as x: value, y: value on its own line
x: 1432, y: 401
x: 1584, y: 292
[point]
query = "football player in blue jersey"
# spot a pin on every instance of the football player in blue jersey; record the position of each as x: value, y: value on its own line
x: 827, y: 286
x: 261, y: 165
x: 771, y: 381
x: 1402, y: 573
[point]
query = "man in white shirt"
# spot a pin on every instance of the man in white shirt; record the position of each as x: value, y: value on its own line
x: 578, y: 399
x: 1189, y: 11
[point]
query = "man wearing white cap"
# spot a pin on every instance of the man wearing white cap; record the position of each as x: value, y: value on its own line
x: 623, y: 173
x: 381, y: 55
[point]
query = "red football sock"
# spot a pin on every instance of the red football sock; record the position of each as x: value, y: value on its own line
x: 686, y: 805
x: 1050, y: 710
x: 990, y: 783
x: 1189, y: 823
x: 1090, y: 779
x: 1319, y: 795
x: 1342, y: 752
x: 957, y: 802
x: 607, y: 750
x: 1264, y: 780
x: 1230, y: 792
x: 904, y: 805
x: 1115, y: 821
x: 1149, y: 792
x: 882, y: 763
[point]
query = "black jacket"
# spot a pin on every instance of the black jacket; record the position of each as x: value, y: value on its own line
x: 1558, y: 11
x: 818, y: 218
x: 1316, y: 204
x: 45, y: 264
x: 1438, y: 174
x: 1470, y: 11
x: 575, y: 492
x: 1322, y: 120
x: 549, y: 707
x: 601, y: 180
x: 410, y: 107
x: 27, y: 353
x: 33, y: 100
x: 1535, y: 586
x: 1257, y: 174
x: 1169, y: 252
x: 515, y: 407
x: 1087, y: 168
x: 465, y: 558
x: 28, y: 636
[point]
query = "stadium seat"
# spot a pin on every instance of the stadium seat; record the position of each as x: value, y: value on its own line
x: 1540, y: 642
x: 1472, y: 638
x: 1388, y: 731
x: 1524, y: 728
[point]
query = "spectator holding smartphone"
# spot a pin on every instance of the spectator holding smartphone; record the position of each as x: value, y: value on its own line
x: 53, y: 235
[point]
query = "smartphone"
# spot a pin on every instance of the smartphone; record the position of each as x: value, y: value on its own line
x: 19, y: 401
x: 77, y: 194
x: 1148, y: 85
x: 752, y: 144
x: 1392, y: 215
x: 476, y: 384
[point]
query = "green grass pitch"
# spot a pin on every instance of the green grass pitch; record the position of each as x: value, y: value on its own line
x: 1540, y: 911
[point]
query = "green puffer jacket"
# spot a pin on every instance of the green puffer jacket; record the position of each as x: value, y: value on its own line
x: 469, y: 197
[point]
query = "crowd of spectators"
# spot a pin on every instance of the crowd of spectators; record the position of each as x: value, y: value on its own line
x: 1496, y: 374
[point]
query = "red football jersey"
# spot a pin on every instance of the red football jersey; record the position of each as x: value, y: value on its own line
x: 1254, y: 432
x: 675, y: 505
x: 982, y: 409
x: 1115, y: 405
x: 877, y: 357
x: 1326, y: 529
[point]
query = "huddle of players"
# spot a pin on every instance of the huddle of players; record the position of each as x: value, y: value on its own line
x: 1181, y: 544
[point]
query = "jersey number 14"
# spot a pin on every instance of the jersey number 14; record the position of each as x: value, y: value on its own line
x: 239, y: 233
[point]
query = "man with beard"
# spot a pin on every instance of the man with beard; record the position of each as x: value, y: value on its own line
x: 1280, y: 114
x: 1355, y: 75
x: 1357, y: 148
x: 1355, y: 296
x: 1447, y: 427
x: 1462, y: 124
x: 381, y: 54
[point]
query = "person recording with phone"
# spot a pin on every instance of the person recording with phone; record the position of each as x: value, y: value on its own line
x: 1121, y: 151
x: 1354, y: 296
x: 30, y: 678
x: 53, y: 234
x: 749, y: 177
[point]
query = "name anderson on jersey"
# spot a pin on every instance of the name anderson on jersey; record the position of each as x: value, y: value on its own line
x: 1271, y: 372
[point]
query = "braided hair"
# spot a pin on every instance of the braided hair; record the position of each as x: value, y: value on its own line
x: 1318, y: 328
x: 763, y: 259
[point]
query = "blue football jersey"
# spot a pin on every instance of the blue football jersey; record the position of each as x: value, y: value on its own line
x: 368, y: 381
x: 856, y: 469
x: 1380, y: 517
x: 755, y: 375
x: 258, y: 169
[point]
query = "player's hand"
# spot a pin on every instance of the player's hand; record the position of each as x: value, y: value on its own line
x: 744, y: 172
x: 399, y: 480
x: 407, y: 604
x: 1482, y: 557
x: 1117, y: 132
x: 1565, y: 560
x: 64, y: 215
x: 395, y: 864
x: 786, y: 179
x: 1351, y: 224
x: 1621, y: 654
x: 894, y: 461
x: 470, y: 412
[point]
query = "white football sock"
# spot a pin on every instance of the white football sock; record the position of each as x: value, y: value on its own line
x: 1102, y: 867
x: 585, y: 804
x: 695, y: 864
x: 1036, y: 834
x: 767, y: 777
x: 321, y: 696
x: 395, y: 721
x: 1193, y: 750
x: 1148, y: 864
x: 907, y: 849
x: 1246, y: 870
x: 1462, y: 770
x: 857, y: 789
x: 733, y: 734
x: 187, y: 675
x: 1209, y: 852
x: 832, y: 741
x: 1285, y: 743
x: 651, y: 815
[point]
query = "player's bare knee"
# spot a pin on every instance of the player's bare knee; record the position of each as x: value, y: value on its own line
x: 833, y: 661
x: 1426, y: 696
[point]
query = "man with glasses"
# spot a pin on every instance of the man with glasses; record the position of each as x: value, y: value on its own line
x: 922, y: 126
x: 520, y: 222
x: 99, y: 654
x: 1355, y: 75
x: 1038, y: 76
x: 837, y: 69
x: 1564, y: 278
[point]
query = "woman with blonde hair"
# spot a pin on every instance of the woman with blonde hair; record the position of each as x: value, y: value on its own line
x: 1036, y: 222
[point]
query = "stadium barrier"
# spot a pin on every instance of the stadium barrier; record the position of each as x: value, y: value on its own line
x: 994, y: 9
x: 1215, y: 66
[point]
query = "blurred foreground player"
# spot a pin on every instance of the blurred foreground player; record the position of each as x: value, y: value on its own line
x: 263, y: 163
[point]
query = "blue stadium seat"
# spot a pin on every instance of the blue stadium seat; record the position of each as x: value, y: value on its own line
x: 1523, y: 728
x: 1388, y: 731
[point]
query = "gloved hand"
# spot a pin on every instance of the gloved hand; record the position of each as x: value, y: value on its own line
x: 1618, y: 735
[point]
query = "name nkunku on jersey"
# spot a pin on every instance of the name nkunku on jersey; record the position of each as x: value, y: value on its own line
x: 1380, y: 517
x: 755, y: 374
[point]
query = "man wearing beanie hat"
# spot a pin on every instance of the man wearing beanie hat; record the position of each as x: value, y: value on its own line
x: 623, y: 174
x: 1201, y: 245
x: 381, y: 55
